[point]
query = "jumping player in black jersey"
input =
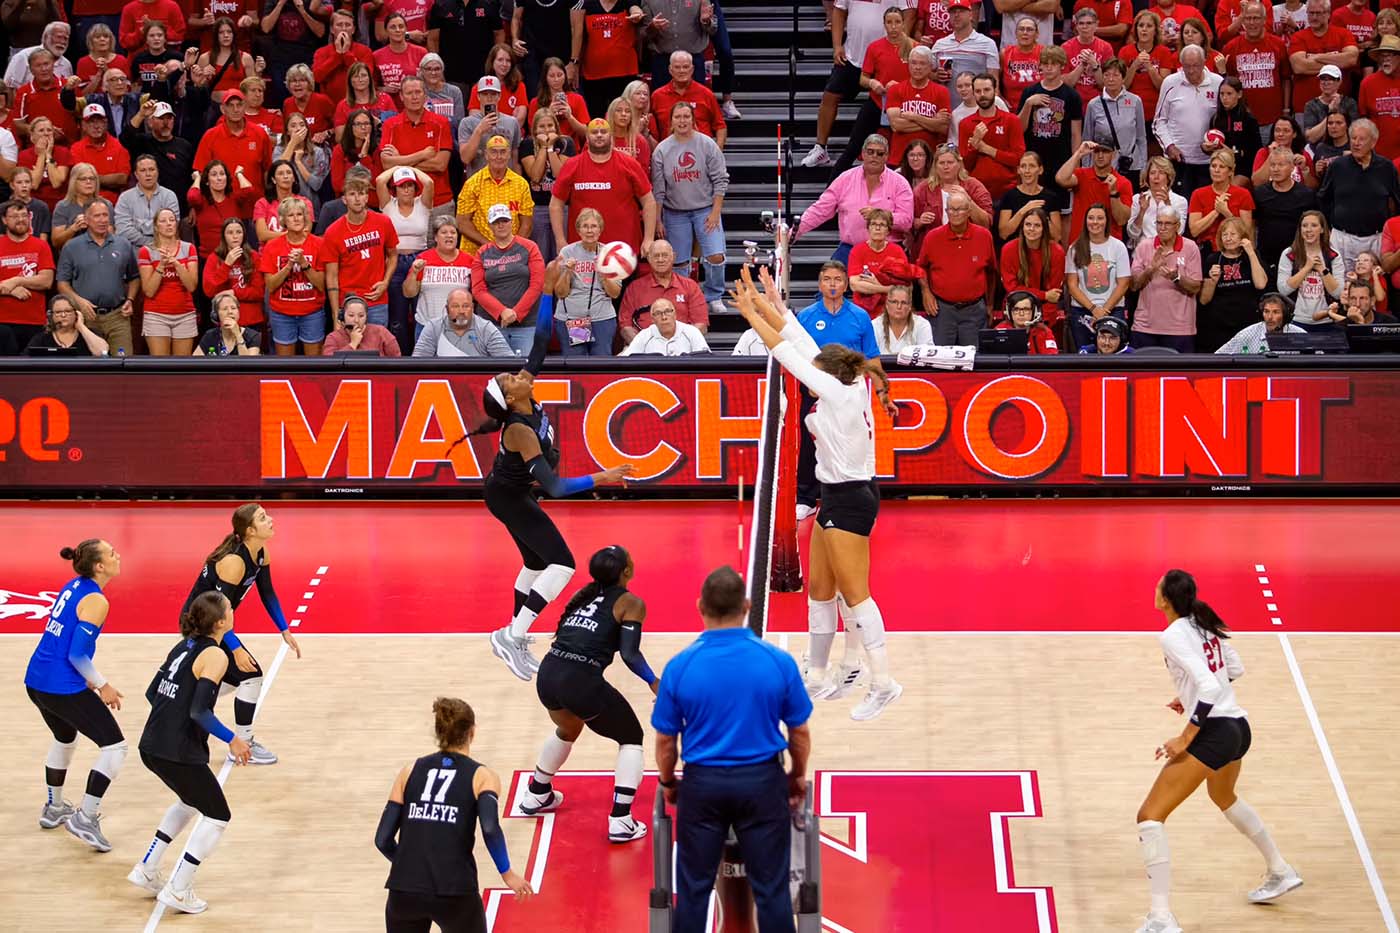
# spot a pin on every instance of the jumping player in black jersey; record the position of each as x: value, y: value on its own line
x: 601, y: 620
x: 429, y: 826
x: 240, y: 561
x: 526, y: 457
x: 175, y: 747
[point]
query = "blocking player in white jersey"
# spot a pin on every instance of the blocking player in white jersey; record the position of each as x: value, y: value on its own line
x: 845, y: 443
x: 1210, y: 748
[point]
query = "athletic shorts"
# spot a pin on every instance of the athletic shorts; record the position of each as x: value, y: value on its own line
x: 536, y: 536
x: 844, y: 80
x: 582, y: 690
x: 416, y: 913
x: 850, y: 507
x: 193, y: 783
x: 176, y: 326
x: 1221, y: 740
x: 67, y: 714
x: 233, y: 676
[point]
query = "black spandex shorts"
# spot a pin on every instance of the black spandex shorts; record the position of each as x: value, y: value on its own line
x: 1221, y: 740
x: 844, y: 80
x: 850, y: 507
x: 582, y: 690
x: 194, y: 784
x: 67, y: 714
x: 535, y: 535
x: 233, y: 675
x: 416, y: 913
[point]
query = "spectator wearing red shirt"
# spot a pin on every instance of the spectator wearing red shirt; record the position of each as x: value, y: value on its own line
x: 1020, y: 63
x: 709, y: 119
x: 1229, y: 20
x: 1219, y: 201
x: 360, y: 252
x: 1320, y: 44
x: 1087, y: 53
x: 991, y: 140
x: 877, y: 265
x: 661, y: 280
x: 1023, y: 313
x: 233, y: 267
x: 225, y: 64
x: 1098, y: 184
x: 612, y: 184
x: 242, y: 13
x: 103, y: 152
x: 102, y: 54
x: 241, y: 146
x: 415, y: 14
x: 570, y: 110
x: 399, y: 58
x: 919, y: 108
x: 959, y: 264
x: 303, y: 98
x: 26, y: 274
x: 254, y: 92
x: 1390, y: 250
x: 420, y: 139
x: 1148, y: 60
x: 1260, y: 60
x: 217, y: 197
x: 1173, y: 16
x: 331, y: 64
x: 354, y: 332
x: 294, y: 273
x: 362, y: 93
x: 40, y: 98
x: 358, y: 146
x: 604, y: 49
x: 500, y: 64
x: 135, y: 16
x: 49, y: 161
x: 169, y: 275
x: 933, y: 21
x: 1033, y: 262
x: 1115, y: 19
x: 1356, y: 18
x: 1380, y: 96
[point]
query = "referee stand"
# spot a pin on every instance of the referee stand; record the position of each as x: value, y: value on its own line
x: 732, y: 892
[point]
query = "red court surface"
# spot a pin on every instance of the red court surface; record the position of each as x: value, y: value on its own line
x: 963, y: 566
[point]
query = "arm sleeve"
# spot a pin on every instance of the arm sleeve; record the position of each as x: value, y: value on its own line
x: 544, y: 327
x: 80, y: 652
x: 202, y: 710
x: 630, y: 650
x: 269, y: 599
x: 386, y: 836
x: 556, y: 486
x: 822, y: 385
x: 231, y: 641
x: 488, y: 815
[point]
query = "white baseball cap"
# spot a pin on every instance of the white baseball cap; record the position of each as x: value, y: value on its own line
x: 488, y: 83
x: 93, y: 110
x: 497, y: 212
x: 1330, y: 71
x: 163, y: 110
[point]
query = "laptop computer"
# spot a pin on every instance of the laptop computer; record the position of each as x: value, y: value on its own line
x: 1010, y: 341
x: 1374, y: 338
x: 1317, y: 342
x: 51, y: 351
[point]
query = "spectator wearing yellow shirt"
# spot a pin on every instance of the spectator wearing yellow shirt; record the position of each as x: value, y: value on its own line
x: 494, y: 184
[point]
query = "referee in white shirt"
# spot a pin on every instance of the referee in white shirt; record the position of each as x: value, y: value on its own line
x: 666, y: 336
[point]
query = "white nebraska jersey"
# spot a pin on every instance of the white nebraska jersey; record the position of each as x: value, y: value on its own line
x: 840, y: 421
x: 1202, y: 666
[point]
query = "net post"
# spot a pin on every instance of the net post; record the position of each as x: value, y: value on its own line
x: 661, y: 912
x: 787, y: 563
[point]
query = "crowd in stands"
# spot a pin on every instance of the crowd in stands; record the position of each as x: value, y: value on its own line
x: 428, y: 177
x: 1115, y: 175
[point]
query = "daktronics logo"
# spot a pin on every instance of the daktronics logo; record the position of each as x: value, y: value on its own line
x: 954, y: 429
x: 36, y: 430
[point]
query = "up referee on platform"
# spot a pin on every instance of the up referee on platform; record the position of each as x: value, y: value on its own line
x: 727, y: 693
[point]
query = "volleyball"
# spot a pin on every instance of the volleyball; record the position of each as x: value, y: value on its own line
x: 1215, y: 138
x: 616, y: 260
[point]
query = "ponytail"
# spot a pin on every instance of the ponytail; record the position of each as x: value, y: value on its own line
x: 606, y: 567
x: 1179, y: 590
x: 242, y: 521
x: 85, y: 557
x: 453, y: 722
x: 204, y: 614
x: 874, y: 370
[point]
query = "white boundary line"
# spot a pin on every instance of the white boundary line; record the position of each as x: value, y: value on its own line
x: 1359, y: 838
x: 1234, y: 633
x: 270, y: 676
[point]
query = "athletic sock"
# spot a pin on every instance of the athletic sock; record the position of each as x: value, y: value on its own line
x: 523, y: 581
x: 547, y: 584
x: 821, y: 630
x: 1242, y: 816
x: 552, y: 758
x: 56, y: 769
x: 850, y: 657
x: 202, y: 842
x: 55, y: 792
x: 171, y: 825
x: 109, y: 762
x: 526, y: 615
x: 628, y: 776
x: 871, y: 627
x: 1152, y: 841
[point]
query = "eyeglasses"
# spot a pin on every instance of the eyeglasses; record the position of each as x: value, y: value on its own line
x: 664, y: 312
x: 875, y: 150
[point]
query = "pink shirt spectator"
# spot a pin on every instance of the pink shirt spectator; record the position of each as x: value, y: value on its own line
x: 375, y: 338
x: 849, y: 193
x: 1162, y: 307
x: 266, y: 211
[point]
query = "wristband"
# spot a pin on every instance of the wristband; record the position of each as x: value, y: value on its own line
x: 667, y: 784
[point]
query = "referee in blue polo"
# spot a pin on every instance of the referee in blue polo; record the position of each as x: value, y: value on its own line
x: 727, y: 694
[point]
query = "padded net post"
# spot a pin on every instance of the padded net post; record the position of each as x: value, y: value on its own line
x: 787, y: 563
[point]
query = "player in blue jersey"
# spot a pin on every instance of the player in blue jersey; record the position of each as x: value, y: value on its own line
x: 72, y: 696
x: 240, y: 561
